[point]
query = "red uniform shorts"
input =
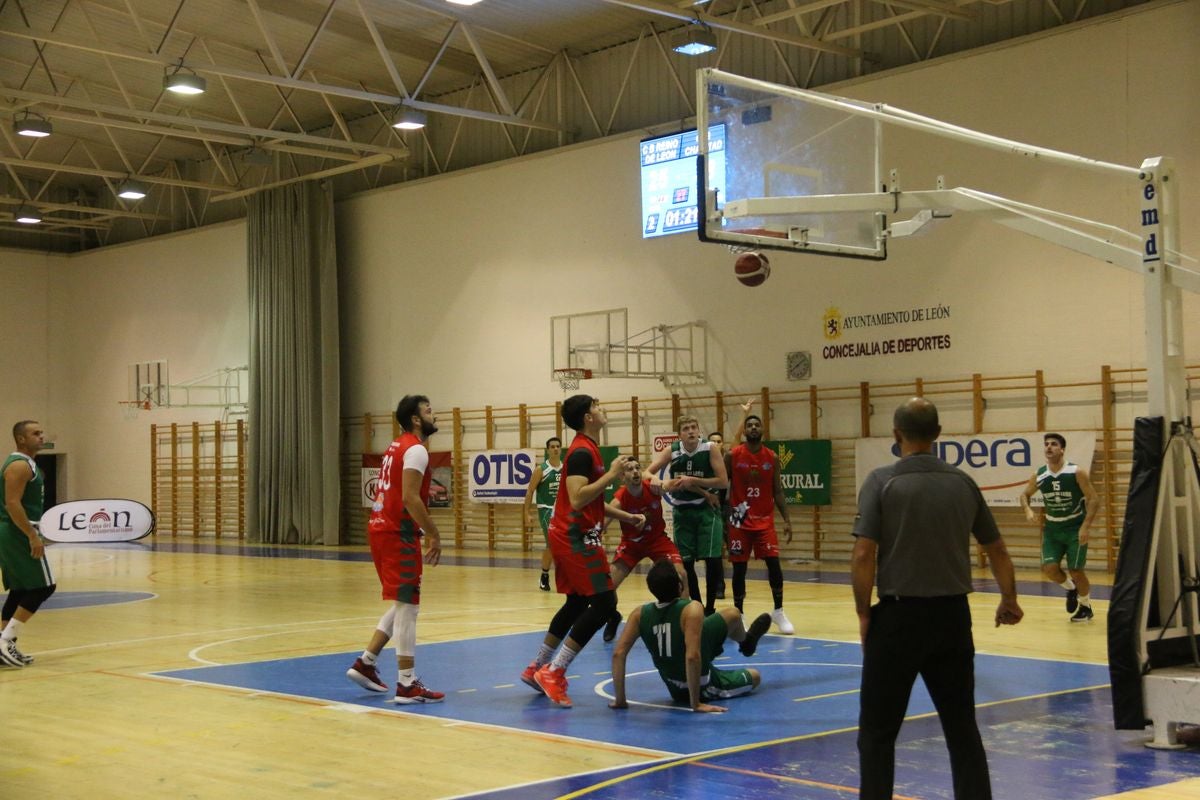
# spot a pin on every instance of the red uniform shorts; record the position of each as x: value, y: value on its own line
x: 630, y: 552
x: 583, y: 570
x: 764, y: 544
x: 398, y: 562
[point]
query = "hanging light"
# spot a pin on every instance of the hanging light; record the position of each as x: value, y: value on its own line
x: 32, y: 124
x: 464, y: 2
x: 28, y: 215
x: 129, y: 189
x: 181, y: 80
x: 409, y: 119
x: 695, y: 40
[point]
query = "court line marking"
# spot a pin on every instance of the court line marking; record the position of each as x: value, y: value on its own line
x: 787, y: 740
x: 393, y: 711
x: 789, y: 779
x: 599, y: 687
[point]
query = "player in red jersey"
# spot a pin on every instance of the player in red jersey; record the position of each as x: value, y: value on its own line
x: 581, y: 569
x: 399, y: 517
x: 755, y: 492
x: 639, y: 496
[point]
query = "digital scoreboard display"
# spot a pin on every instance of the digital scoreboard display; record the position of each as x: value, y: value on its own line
x: 670, y: 201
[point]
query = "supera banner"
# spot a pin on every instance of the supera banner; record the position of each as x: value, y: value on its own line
x: 1001, y: 463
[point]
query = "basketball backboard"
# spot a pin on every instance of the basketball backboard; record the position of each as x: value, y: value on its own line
x: 781, y: 144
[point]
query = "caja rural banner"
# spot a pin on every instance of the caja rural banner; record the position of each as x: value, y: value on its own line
x: 1001, y: 464
x: 805, y: 467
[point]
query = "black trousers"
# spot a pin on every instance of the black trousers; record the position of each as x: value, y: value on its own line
x: 930, y: 637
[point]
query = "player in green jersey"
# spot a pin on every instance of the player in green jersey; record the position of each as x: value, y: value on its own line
x: 543, y: 489
x: 1070, y: 504
x: 696, y: 469
x: 26, y: 572
x: 683, y: 643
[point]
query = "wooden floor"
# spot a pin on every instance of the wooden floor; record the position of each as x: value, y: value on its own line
x: 94, y: 718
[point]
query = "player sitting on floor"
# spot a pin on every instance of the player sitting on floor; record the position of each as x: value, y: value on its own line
x: 683, y: 643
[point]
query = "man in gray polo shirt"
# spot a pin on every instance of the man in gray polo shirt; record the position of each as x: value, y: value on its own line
x: 912, y: 538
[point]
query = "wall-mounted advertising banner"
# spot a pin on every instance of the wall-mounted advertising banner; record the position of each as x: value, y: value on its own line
x: 108, y: 520
x: 805, y: 467
x: 1001, y: 464
x: 501, y: 476
x: 439, y: 484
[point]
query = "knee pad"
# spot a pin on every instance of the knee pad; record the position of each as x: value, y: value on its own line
x: 31, y: 599
x: 404, y: 630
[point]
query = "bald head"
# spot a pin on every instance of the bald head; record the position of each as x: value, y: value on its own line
x: 917, y: 421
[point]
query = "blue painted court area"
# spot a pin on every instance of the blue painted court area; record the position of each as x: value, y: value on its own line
x: 1046, y: 723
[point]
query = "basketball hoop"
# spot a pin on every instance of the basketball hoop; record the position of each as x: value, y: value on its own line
x: 569, y: 378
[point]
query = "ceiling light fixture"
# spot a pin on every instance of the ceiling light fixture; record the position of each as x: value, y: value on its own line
x: 695, y: 40
x: 181, y: 80
x: 464, y: 2
x: 409, y: 119
x: 129, y: 189
x: 32, y: 124
x: 27, y: 215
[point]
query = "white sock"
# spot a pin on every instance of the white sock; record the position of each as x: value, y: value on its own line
x: 1085, y: 600
x: 564, y: 658
x: 368, y: 658
x: 545, y: 654
x: 11, y: 630
x: 407, y: 676
x: 1068, y: 584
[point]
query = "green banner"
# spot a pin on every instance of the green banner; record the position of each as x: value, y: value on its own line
x: 805, y: 466
x: 608, y: 453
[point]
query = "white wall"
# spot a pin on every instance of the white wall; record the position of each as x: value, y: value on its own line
x: 25, y: 311
x: 182, y: 298
x: 448, y: 284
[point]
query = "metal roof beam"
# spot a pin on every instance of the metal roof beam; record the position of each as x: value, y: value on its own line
x: 746, y: 29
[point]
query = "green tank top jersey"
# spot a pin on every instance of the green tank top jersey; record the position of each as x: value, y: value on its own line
x: 697, y: 464
x: 32, y: 499
x: 662, y: 632
x: 1063, y: 497
x: 547, y: 488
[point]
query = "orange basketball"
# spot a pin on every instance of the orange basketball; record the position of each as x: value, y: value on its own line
x: 752, y: 268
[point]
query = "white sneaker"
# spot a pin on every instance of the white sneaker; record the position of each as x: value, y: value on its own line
x: 782, y: 622
x: 10, y: 655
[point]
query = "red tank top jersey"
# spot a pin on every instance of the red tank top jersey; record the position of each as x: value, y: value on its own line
x: 388, y: 513
x: 590, y: 518
x: 752, y: 482
x: 647, y: 503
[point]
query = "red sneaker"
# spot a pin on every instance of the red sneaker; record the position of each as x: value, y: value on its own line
x: 553, y: 682
x: 366, y: 676
x: 416, y: 693
x: 528, y: 679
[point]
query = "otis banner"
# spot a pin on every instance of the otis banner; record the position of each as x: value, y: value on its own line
x: 97, y: 521
x: 805, y: 467
x: 1001, y: 464
x: 501, y: 476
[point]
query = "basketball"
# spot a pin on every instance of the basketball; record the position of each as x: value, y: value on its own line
x: 752, y: 268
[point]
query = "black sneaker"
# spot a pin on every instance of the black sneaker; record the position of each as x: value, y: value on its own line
x: 1072, y: 600
x: 761, y: 624
x: 1083, y: 614
x: 544, y: 582
x: 610, y: 627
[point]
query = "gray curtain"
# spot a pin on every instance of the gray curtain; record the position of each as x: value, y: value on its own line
x: 294, y: 379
